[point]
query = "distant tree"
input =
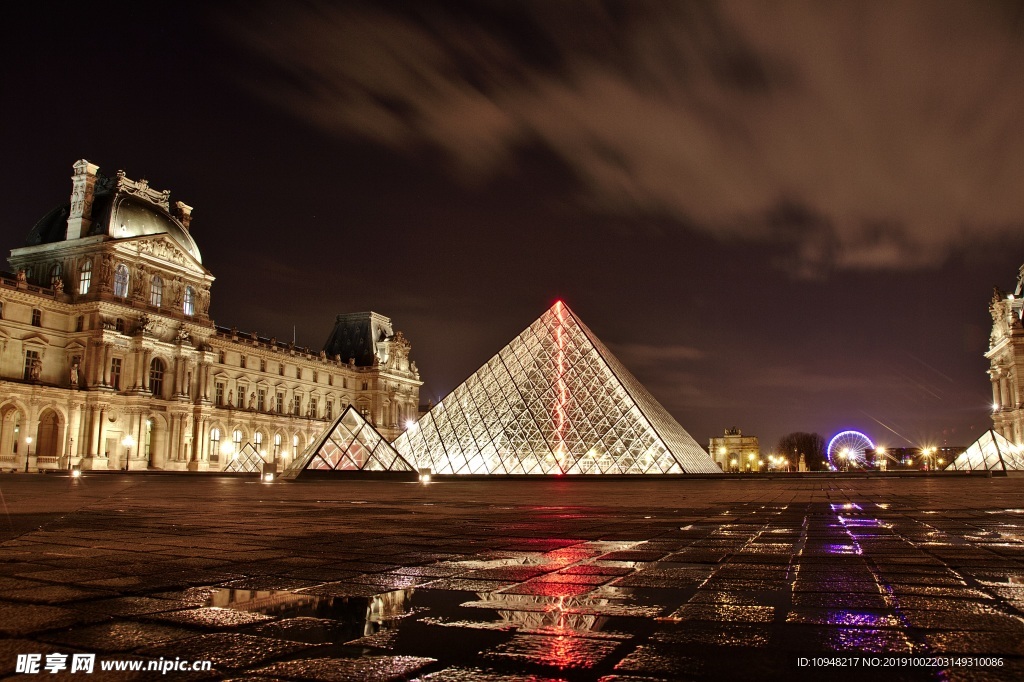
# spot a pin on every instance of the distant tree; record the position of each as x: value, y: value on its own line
x: 810, y: 445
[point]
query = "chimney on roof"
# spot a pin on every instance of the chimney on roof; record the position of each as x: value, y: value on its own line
x: 83, y: 190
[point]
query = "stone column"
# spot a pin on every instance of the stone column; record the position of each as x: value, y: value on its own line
x: 996, y: 398
x: 147, y: 356
x: 105, y: 366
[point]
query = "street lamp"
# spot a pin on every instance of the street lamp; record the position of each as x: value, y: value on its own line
x: 843, y: 457
x: 128, y: 441
x: 734, y: 464
x: 28, y: 444
x: 750, y: 457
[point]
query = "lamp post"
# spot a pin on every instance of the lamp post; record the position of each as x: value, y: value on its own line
x: 128, y: 441
x: 28, y: 455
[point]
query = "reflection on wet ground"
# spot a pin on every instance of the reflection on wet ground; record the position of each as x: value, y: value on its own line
x: 637, y: 581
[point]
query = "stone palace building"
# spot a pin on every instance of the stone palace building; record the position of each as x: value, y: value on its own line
x: 109, y: 358
x: 1006, y: 362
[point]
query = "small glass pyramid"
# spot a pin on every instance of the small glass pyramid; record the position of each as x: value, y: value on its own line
x: 553, y: 401
x: 350, y: 444
x: 991, y: 452
x: 247, y: 460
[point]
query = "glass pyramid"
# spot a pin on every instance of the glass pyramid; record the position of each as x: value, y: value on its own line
x: 553, y: 401
x: 246, y: 461
x: 349, y: 444
x: 991, y: 452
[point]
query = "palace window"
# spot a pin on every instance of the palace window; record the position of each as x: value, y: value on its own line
x: 280, y: 403
x: 156, y: 377
x: 295, y: 446
x: 330, y: 379
x: 220, y: 357
x: 263, y: 365
x: 280, y: 368
x: 189, y: 305
x: 219, y: 397
x: 277, y: 444
x: 329, y: 410
x: 37, y: 317
x: 261, y: 397
x: 115, y: 373
x: 366, y: 385
x: 85, y: 277
x: 259, y: 442
x: 214, y: 443
x: 31, y: 358
x: 296, y: 404
x: 80, y: 323
x: 312, y: 407
x: 316, y: 376
x: 236, y: 438
x: 241, y: 396
x: 119, y: 325
x: 156, y: 291
x: 121, y: 280
x: 55, y: 274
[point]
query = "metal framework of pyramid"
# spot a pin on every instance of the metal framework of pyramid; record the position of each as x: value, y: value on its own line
x: 991, y: 452
x: 553, y: 401
x: 247, y: 461
x: 350, y: 444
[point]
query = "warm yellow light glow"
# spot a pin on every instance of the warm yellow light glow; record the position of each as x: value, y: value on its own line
x: 268, y: 478
x: 76, y: 473
x: 751, y: 457
x: 128, y: 441
x: 721, y: 450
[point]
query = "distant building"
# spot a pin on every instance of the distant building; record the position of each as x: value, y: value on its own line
x: 109, y: 359
x: 736, y: 452
x: 1006, y: 362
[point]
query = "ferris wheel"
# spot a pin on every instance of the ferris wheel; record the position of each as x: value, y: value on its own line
x: 847, y: 448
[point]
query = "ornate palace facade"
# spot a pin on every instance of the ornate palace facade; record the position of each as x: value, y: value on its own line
x: 1006, y: 362
x: 109, y: 358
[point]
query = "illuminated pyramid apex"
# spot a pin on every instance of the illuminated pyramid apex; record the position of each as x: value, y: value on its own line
x: 553, y: 401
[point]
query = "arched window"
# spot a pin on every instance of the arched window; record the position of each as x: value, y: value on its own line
x: 236, y: 438
x: 121, y: 280
x: 214, y: 443
x: 55, y: 273
x: 258, y: 437
x: 189, y: 305
x: 156, y: 291
x: 85, y: 277
x: 295, y: 446
x: 156, y: 377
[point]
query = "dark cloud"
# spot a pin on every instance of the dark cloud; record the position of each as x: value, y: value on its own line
x: 863, y: 135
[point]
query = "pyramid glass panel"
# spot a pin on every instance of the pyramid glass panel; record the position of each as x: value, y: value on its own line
x: 553, y: 401
x: 991, y: 452
x: 350, y: 444
x: 247, y: 460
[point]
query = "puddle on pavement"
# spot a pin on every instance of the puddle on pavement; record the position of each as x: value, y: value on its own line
x: 470, y: 627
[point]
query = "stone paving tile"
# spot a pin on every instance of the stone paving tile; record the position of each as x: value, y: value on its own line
x: 209, y: 618
x: 752, y: 575
x: 118, y: 636
x: 366, y: 669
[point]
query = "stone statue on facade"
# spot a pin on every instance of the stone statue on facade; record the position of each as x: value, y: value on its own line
x: 74, y: 373
x: 58, y: 285
x: 231, y: 397
x: 36, y: 369
x: 252, y: 401
x: 22, y: 278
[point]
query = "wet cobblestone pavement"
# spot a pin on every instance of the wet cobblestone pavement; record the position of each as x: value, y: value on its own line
x: 517, y: 580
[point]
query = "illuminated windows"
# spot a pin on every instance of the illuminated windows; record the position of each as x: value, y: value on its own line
x: 121, y: 280
x: 156, y: 291
x: 85, y: 277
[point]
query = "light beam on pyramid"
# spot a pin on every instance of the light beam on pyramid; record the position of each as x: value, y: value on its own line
x: 553, y: 401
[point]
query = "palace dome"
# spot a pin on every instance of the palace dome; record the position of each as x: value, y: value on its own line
x: 118, y: 213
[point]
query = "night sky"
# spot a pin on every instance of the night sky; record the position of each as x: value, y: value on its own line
x: 780, y: 216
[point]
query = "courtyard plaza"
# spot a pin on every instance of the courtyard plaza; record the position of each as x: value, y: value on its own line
x: 544, y: 579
